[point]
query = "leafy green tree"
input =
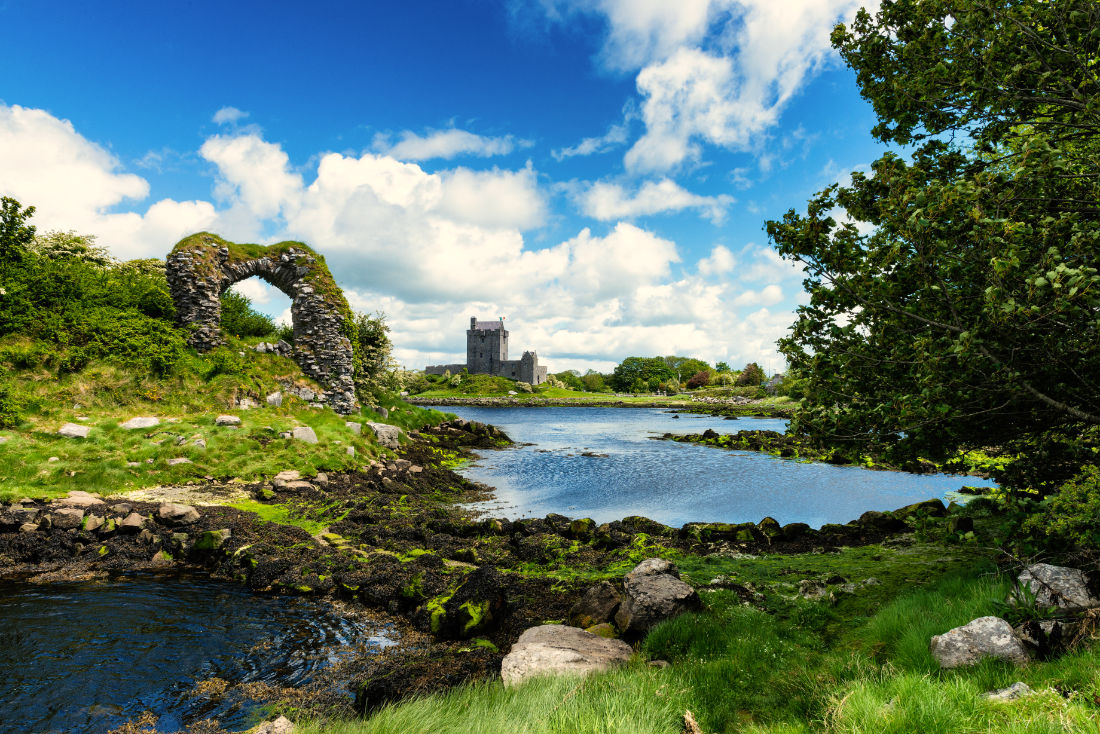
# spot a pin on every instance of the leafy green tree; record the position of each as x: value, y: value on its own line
x: 639, y: 369
x: 16, y: 236
x: 594, y: 381
x: 954, y: 292
x: 721, y: 367
x: 375, y: 352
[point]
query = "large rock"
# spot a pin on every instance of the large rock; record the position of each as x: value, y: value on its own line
x: 555, y: 649
x: 285, y: 477
x: 281, y: 725
x: 132, y: 523
x: 67, y: 517
x: 652, y: 596
x: 140, y: 422
x: 598, y: 605
x: 1058, y: 586
x: 73, y: 430
x: 304, y: 433
x: 476, y: 607
x: 78, y: 498
x: 174, y: 514
x: 985, y: 637
x: 387, y: 435
x: 227, y: 420
x: 653, y: 567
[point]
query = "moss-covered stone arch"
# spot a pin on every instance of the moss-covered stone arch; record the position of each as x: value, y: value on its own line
x: 201, y: 267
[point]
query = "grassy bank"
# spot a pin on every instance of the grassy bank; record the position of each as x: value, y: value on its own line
x: 37, y: 462
x: 759, y: 658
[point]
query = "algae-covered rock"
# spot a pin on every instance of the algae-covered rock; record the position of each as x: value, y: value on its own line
x: 582, y: 528
x: 474, y: 608
x: 211, y: 540
x: 928, y: 508
x: 796, y: 530
x: 639, y: 524
x: 769, y: 527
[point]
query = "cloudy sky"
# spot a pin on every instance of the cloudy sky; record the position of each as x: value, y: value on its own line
x: 596, y: 172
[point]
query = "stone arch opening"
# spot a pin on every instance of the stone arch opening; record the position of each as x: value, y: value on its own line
x: 203, y: 266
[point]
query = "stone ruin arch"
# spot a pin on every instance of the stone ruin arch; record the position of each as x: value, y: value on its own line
x: 203, y: 266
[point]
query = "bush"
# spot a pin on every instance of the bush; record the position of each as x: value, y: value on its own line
x: 1072, y: 514
x: 10, y: 408
x: 241, y: 320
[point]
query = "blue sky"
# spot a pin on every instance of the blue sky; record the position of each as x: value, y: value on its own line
x: 597, y: 172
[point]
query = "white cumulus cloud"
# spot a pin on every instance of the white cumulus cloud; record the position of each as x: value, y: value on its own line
x: 228, y: 115
x: 446, y: 144
x: 607, y: 201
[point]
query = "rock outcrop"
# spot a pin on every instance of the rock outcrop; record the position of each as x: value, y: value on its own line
x: 1058, y: 586
x: 652, y: 593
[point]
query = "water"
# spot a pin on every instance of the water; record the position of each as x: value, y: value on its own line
x: 671, y: 482
x: 87, y: 656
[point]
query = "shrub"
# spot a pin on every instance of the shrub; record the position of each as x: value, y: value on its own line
x: 10, y: 407
x: 1072, y: 514
x: 241, y: 320
x: 699, y: 379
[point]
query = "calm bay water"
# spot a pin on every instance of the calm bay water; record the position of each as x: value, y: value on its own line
x: 85, y: 657
x: 671, y: 482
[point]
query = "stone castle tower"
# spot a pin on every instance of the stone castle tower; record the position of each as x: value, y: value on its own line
x: 487, y: 354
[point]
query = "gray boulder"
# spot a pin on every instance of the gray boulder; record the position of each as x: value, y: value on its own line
x: 67, y: 517
x: 652, y: 596
x: 179, y: 460
x: 653, y: 567
x: 78, y: 498
x: 1014, y: 692
x: 304, y: 433
x: 356, y: 428
x: 555, y: 649
x: 387, y: 435
x: 73, y: 430
x: 984, y: 637
x: 227, y: 420
x: 93, y: 523
x: 1058, y: 586
x: 598, y: 605
x: 140, y: 422
x: 171, y: 513
x: 275, y: 399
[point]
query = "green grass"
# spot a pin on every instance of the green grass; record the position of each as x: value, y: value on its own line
x: 186, y: 402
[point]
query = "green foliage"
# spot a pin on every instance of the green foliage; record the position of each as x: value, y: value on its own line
x: 639, y: 374
x: 954, y: 305
x: 11, y: 407
x: 1071, y: 516
x: 241, y: 320
x: 16, y: 236
x: 375, y: 351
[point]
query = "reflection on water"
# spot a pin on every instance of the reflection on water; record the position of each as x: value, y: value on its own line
x: 85, y: 657
x: 674, y: 483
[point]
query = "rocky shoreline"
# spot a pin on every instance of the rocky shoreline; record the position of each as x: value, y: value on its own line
x: 392, y: 540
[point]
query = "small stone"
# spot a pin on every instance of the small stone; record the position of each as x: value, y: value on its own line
x: 321, y: 478
x: 1015, y: 691
x: 275, y: 399
x: 246, y: 404
x: 140, y: 422
x: 350, y: 451
x: 356, y: 428
x: 304, y: 434
x: 93, y: 523
x: 74, y: 430
x: 67, y: 517
x: 284, y: 434
x: 227, y: 420
x: 199, y: 443
x: 146, y: 536
x: 179, y: 460
x: 162, y: 557
x: 133, y: 463
x: 3, y: 440
x: 281, y: 725
x: 653, y: 567
x: 28, y: 527
x: 171, y: 513
x: 132, y: 523
x: 52, y: 460
x: 812, y: 589
x: 122, y: 508
x: 660, y: 664
x: 387, y: 435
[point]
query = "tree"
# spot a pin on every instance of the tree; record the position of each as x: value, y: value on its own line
x: 375, y: 354
x: 751, y: 375
x: 954, y: 296
x: 721, y: 367
x: 16, y: 236
x: 240, y: 319
x: 699, y: 379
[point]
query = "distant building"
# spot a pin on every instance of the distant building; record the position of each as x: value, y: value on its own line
x: 487, y: 354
